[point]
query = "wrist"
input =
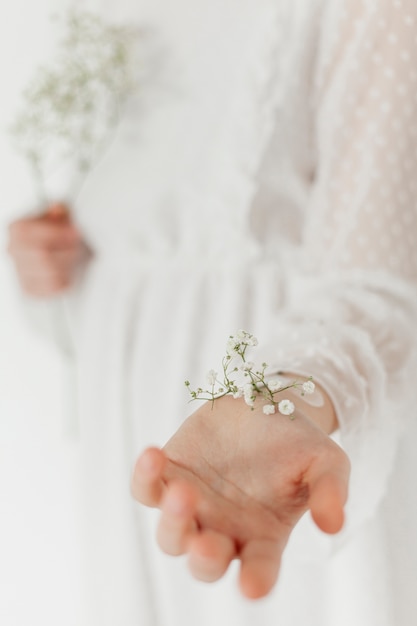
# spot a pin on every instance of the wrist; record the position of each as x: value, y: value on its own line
x: 317, y: 407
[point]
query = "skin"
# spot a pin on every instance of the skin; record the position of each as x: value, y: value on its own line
x: 46, y: 250
x: 232, y: 484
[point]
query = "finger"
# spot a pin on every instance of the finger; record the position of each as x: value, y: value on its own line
x: 48, y: 285
x: 42, y: 233
x: 328, y: 495
x: 58, y: 211
x: 147, y: 485
x: 260, y: 563
x: 210, y: 554
x: 45, y: 277
x: 177, y: 523
x: 36, y: 261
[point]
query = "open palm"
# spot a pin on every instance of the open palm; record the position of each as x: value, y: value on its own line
x: 232, y: 483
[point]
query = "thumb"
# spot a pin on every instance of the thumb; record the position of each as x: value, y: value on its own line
x: 328, y: 495
x: 57, y: 211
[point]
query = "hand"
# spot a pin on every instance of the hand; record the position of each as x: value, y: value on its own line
x: 233, y: 483
x: 46, y: 251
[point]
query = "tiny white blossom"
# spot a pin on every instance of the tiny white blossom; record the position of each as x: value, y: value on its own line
x: 286, y: 407
x: 309, y: 387
x: 268, y: 409
x: 232, y: 347
x: 238, y: 394
x: 275, y: 385
x: 247, y: 367
x: 249, y: 394
x: 211, y: 377
x: 245, y: 338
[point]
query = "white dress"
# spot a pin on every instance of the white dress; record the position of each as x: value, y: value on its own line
x: 263, y: 178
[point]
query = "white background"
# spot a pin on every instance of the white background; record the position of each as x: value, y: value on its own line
x: 38, y: 547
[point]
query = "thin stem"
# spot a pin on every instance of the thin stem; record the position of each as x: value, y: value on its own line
x: 39, y: 181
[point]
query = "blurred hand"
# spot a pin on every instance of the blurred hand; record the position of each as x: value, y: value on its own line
x: 233, y: 483
x: 46, y: 250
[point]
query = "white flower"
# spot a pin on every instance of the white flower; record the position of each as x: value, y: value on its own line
x: 211, y: 377
x: 249, y: 394
x: 247, y: 380
x: 309, y: 387
x: 275, y: 385
x: 247, y: 367
x: 242, y: 336
x: 286, y: 407
x: 72, y: 106
x: 232, y: 346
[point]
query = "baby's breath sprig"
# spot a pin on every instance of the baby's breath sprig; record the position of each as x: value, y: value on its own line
x: 73, y: 104
x: 241, y: 378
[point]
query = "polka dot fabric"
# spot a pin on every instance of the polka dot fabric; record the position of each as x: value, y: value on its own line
x: 366, y: 191
x: 352, y: 317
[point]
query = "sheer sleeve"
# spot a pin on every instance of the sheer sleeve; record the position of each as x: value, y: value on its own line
x: 352, y: 318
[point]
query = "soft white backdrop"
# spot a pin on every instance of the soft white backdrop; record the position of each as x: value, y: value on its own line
x: 38, y: 548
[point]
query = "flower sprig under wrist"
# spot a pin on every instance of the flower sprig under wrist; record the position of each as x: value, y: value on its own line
x: 242, y: 378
